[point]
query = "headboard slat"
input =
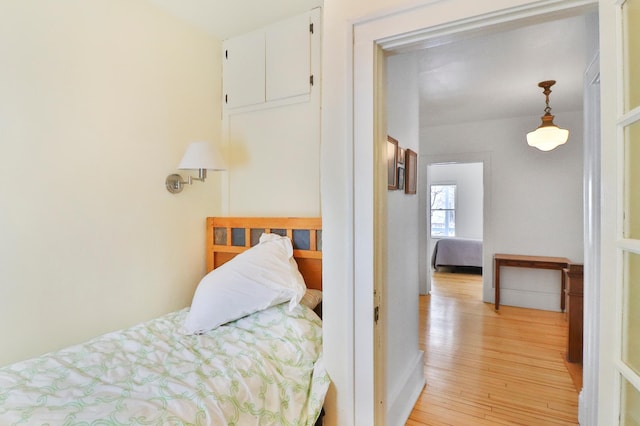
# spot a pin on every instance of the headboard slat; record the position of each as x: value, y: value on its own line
x: 309, y: 261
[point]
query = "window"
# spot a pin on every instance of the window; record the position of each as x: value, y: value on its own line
x: 443, y: 210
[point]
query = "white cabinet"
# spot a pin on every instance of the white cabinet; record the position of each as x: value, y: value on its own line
x: 288, y: 58
x: 270, y: 64
x: 243, y: 72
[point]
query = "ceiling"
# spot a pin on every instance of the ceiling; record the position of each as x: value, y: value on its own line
x: 496, y: 75
x: 479, y: 76
x: 226, y: 18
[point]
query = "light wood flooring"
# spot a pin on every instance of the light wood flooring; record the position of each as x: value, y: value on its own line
x: 488, y: 368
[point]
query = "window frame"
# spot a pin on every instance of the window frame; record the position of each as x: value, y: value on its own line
x: 454, y: 209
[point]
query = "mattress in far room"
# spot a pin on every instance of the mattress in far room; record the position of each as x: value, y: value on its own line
x: 463, y: 252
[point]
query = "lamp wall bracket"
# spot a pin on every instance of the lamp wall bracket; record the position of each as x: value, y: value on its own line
x: 174, y: 183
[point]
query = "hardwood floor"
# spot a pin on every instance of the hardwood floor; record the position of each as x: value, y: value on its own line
x: 488, y: 368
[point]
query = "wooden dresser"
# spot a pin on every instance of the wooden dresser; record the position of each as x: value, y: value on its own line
x: 574, y: 302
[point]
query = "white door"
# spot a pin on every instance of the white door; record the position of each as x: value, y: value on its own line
x: 619, y: 397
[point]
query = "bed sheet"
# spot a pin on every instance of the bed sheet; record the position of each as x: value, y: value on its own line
x: 264, y: 369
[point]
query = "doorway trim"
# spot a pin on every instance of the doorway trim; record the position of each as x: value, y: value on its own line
x: 395, y: 31
x: 592, y: 205
x: 487, y: 241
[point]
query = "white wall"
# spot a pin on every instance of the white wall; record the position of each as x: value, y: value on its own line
x: 274, y: 161
x: 404, y: 359
x: 98, y: 102
x: 469, y: 190
x: 536, y: 206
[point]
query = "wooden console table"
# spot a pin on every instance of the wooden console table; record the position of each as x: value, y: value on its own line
x: 535, y: 262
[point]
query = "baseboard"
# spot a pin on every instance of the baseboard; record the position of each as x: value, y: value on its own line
x: 582, y: 416
x: 401, y: 404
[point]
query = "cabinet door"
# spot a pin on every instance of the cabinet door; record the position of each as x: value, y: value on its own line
x: 288, y: 58
x: 243, y: 72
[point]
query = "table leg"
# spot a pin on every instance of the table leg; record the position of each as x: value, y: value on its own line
x: 496, y: 275
x: 562, y: 291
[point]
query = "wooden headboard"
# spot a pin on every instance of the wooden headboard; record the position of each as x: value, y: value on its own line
x: 228, y: 236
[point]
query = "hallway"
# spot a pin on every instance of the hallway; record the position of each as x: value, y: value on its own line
x: 487, y: 368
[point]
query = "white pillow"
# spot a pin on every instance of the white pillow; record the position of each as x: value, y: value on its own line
x: 261, y: 277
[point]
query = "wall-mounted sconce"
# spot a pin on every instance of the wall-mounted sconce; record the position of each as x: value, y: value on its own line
x: 547, y: 136
x: 201, y: 156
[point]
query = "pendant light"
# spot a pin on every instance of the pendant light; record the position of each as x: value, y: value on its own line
x: 548, y: 135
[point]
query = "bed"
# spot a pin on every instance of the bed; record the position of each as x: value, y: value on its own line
x: 263, y: 368
x: 457, y: 252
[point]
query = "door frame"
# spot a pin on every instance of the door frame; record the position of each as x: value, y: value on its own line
x: 483, y: 158
x: 592, y: 197
x: 372, y: 36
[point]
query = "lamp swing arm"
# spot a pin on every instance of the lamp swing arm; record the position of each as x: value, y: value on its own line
x: 202, y: 175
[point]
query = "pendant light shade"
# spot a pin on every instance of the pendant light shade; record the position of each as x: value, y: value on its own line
x: 548, y: 135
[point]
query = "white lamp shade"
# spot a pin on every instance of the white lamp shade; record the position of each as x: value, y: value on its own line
x: 202, y: 155
x: 547, y: 138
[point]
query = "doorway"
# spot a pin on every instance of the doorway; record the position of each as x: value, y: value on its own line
x: 366, y: 68
x: 455, y: 217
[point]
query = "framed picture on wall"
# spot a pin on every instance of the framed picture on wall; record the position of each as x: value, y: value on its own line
x: 392, y: 163
x: 411, y: 172
x: 401, y: 174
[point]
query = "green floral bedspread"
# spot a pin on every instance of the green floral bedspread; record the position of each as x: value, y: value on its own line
x: 264, y: 369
